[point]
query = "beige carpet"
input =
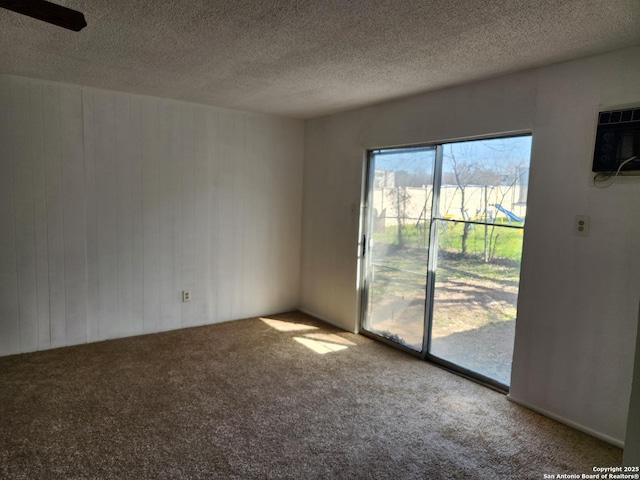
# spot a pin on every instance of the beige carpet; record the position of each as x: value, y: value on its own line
x: 282, y: 397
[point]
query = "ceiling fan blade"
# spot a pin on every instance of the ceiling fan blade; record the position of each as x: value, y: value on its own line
x: 47, y: 12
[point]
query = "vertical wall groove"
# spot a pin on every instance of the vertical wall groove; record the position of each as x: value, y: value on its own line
x: 33, y: 189
x: 93, y: 179
x: 62, y: 191
x: 112, y: 187
x: 15, y: 227
x: 40, y: 188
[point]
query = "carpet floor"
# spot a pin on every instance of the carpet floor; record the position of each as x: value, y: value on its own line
x: 284, y: 396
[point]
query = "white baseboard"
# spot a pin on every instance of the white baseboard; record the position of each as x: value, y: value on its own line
x: 613, y: 441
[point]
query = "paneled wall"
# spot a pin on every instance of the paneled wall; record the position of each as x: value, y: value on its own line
x: 112, y: 204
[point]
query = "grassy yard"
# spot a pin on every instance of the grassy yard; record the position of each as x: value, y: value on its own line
x: 503, y: 242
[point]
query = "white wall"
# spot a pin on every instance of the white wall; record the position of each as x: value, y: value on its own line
x: 631, y: 456
x: 111, y: 204
x: 578, y: 299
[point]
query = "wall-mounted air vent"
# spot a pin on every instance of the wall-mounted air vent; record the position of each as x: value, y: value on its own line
x: 619, y: 116
x: 618, y: 141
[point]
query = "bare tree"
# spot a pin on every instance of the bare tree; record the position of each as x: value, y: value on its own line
x: 467, y: 171
x: 469, y: 168
x: 511, y: 183
x: 399, y: 197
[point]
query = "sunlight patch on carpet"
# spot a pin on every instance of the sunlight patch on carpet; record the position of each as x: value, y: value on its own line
x: 326, y: 343
x: 329, y: 337
x: 287, y: 326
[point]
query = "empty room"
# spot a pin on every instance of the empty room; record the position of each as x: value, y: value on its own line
x: 382, y: 239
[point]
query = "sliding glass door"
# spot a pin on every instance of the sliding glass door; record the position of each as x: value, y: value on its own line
x: 444, y: 226
x: 399, y: 218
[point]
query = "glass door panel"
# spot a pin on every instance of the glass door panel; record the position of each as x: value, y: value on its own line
x: 480, y: 226
x: 399, y: 218
x: 475, y: 302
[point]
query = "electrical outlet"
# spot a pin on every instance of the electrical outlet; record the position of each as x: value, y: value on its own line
x: 186, y: 295
x: 581, y: 225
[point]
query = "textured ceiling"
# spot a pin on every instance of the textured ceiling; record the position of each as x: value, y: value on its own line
x: 307, y: 58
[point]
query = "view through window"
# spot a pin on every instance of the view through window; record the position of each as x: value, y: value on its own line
x: 444, y: 228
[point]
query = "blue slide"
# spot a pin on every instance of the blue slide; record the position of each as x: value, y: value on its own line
x: 510, y: 215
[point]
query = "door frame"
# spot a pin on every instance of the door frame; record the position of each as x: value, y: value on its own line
x: 363, y: 258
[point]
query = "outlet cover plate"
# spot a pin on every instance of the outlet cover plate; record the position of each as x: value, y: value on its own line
x: 581, y: 225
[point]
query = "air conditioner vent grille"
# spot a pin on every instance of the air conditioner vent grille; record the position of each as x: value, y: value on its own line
x: 619, y: 116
